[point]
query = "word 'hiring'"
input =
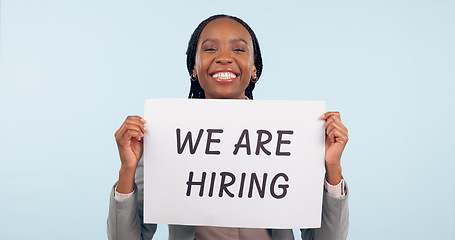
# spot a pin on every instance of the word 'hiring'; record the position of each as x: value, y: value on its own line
x: 228, y: 180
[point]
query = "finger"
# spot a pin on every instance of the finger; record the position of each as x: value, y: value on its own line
x: 119, y: 130
x: 334, y: 122
x: 332, y: 137
x: 328, y: 122
x: 131, y: 126
x: 338, y: 133
x: 137, y: 118
x: 337, y: 136
x: 140, y: 121
x: 332, y: 118
x: 134, y: 135
x: 129, y: 121
x: 338, y: 123
x: 137, y: 122
x: 330, y: 128
x: 129, y: 135
x: 328, y: 114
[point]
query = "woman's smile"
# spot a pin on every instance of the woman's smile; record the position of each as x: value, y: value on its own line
x: 224, y: 76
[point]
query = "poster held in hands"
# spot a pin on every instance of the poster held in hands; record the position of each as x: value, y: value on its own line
x: 234, y: 163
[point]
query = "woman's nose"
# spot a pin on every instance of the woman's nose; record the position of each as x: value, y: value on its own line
x: 224, y: 57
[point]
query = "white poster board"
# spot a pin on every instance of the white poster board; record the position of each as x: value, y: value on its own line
x: 255, y: 164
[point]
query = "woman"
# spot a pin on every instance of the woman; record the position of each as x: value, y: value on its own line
x: 224, y: 62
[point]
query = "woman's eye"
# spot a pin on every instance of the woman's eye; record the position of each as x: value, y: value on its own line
x: 239, y: 50
x: 209, y: 49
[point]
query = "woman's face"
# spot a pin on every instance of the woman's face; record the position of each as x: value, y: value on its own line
x: 224, y: 59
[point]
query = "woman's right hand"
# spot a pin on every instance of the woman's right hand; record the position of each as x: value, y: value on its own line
x: 130, y: 147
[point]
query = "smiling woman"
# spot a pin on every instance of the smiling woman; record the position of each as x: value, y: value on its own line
x: 224, y: 62
x: 225, y: 49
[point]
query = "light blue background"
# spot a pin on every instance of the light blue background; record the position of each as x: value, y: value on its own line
x: 71, y: 71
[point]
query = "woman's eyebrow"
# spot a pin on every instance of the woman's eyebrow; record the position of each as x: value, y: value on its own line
x: 239, y: 40
x: 209, y: 40
x: 232, y: 40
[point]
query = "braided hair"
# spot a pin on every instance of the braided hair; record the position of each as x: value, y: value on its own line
x: 196, y: 90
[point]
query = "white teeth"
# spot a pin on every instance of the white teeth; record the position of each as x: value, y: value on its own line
x: 224, y: 75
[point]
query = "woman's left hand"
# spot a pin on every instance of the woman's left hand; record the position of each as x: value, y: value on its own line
x: 335, y: 141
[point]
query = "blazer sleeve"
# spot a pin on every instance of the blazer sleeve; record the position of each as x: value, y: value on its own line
x: 334, y: 221
x: 125, y: 219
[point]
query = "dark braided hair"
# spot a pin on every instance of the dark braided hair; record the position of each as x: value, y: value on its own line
x: 196, y: 90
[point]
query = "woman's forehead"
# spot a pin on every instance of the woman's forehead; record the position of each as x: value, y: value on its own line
x: 225, y: 28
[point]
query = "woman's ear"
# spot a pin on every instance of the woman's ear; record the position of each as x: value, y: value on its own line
x: 254, y: 73
x: 194, y: 74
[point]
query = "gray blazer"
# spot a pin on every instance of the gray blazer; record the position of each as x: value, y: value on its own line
x: 125, y: 220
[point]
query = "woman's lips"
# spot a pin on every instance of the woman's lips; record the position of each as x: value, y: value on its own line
x: 224, y: 76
